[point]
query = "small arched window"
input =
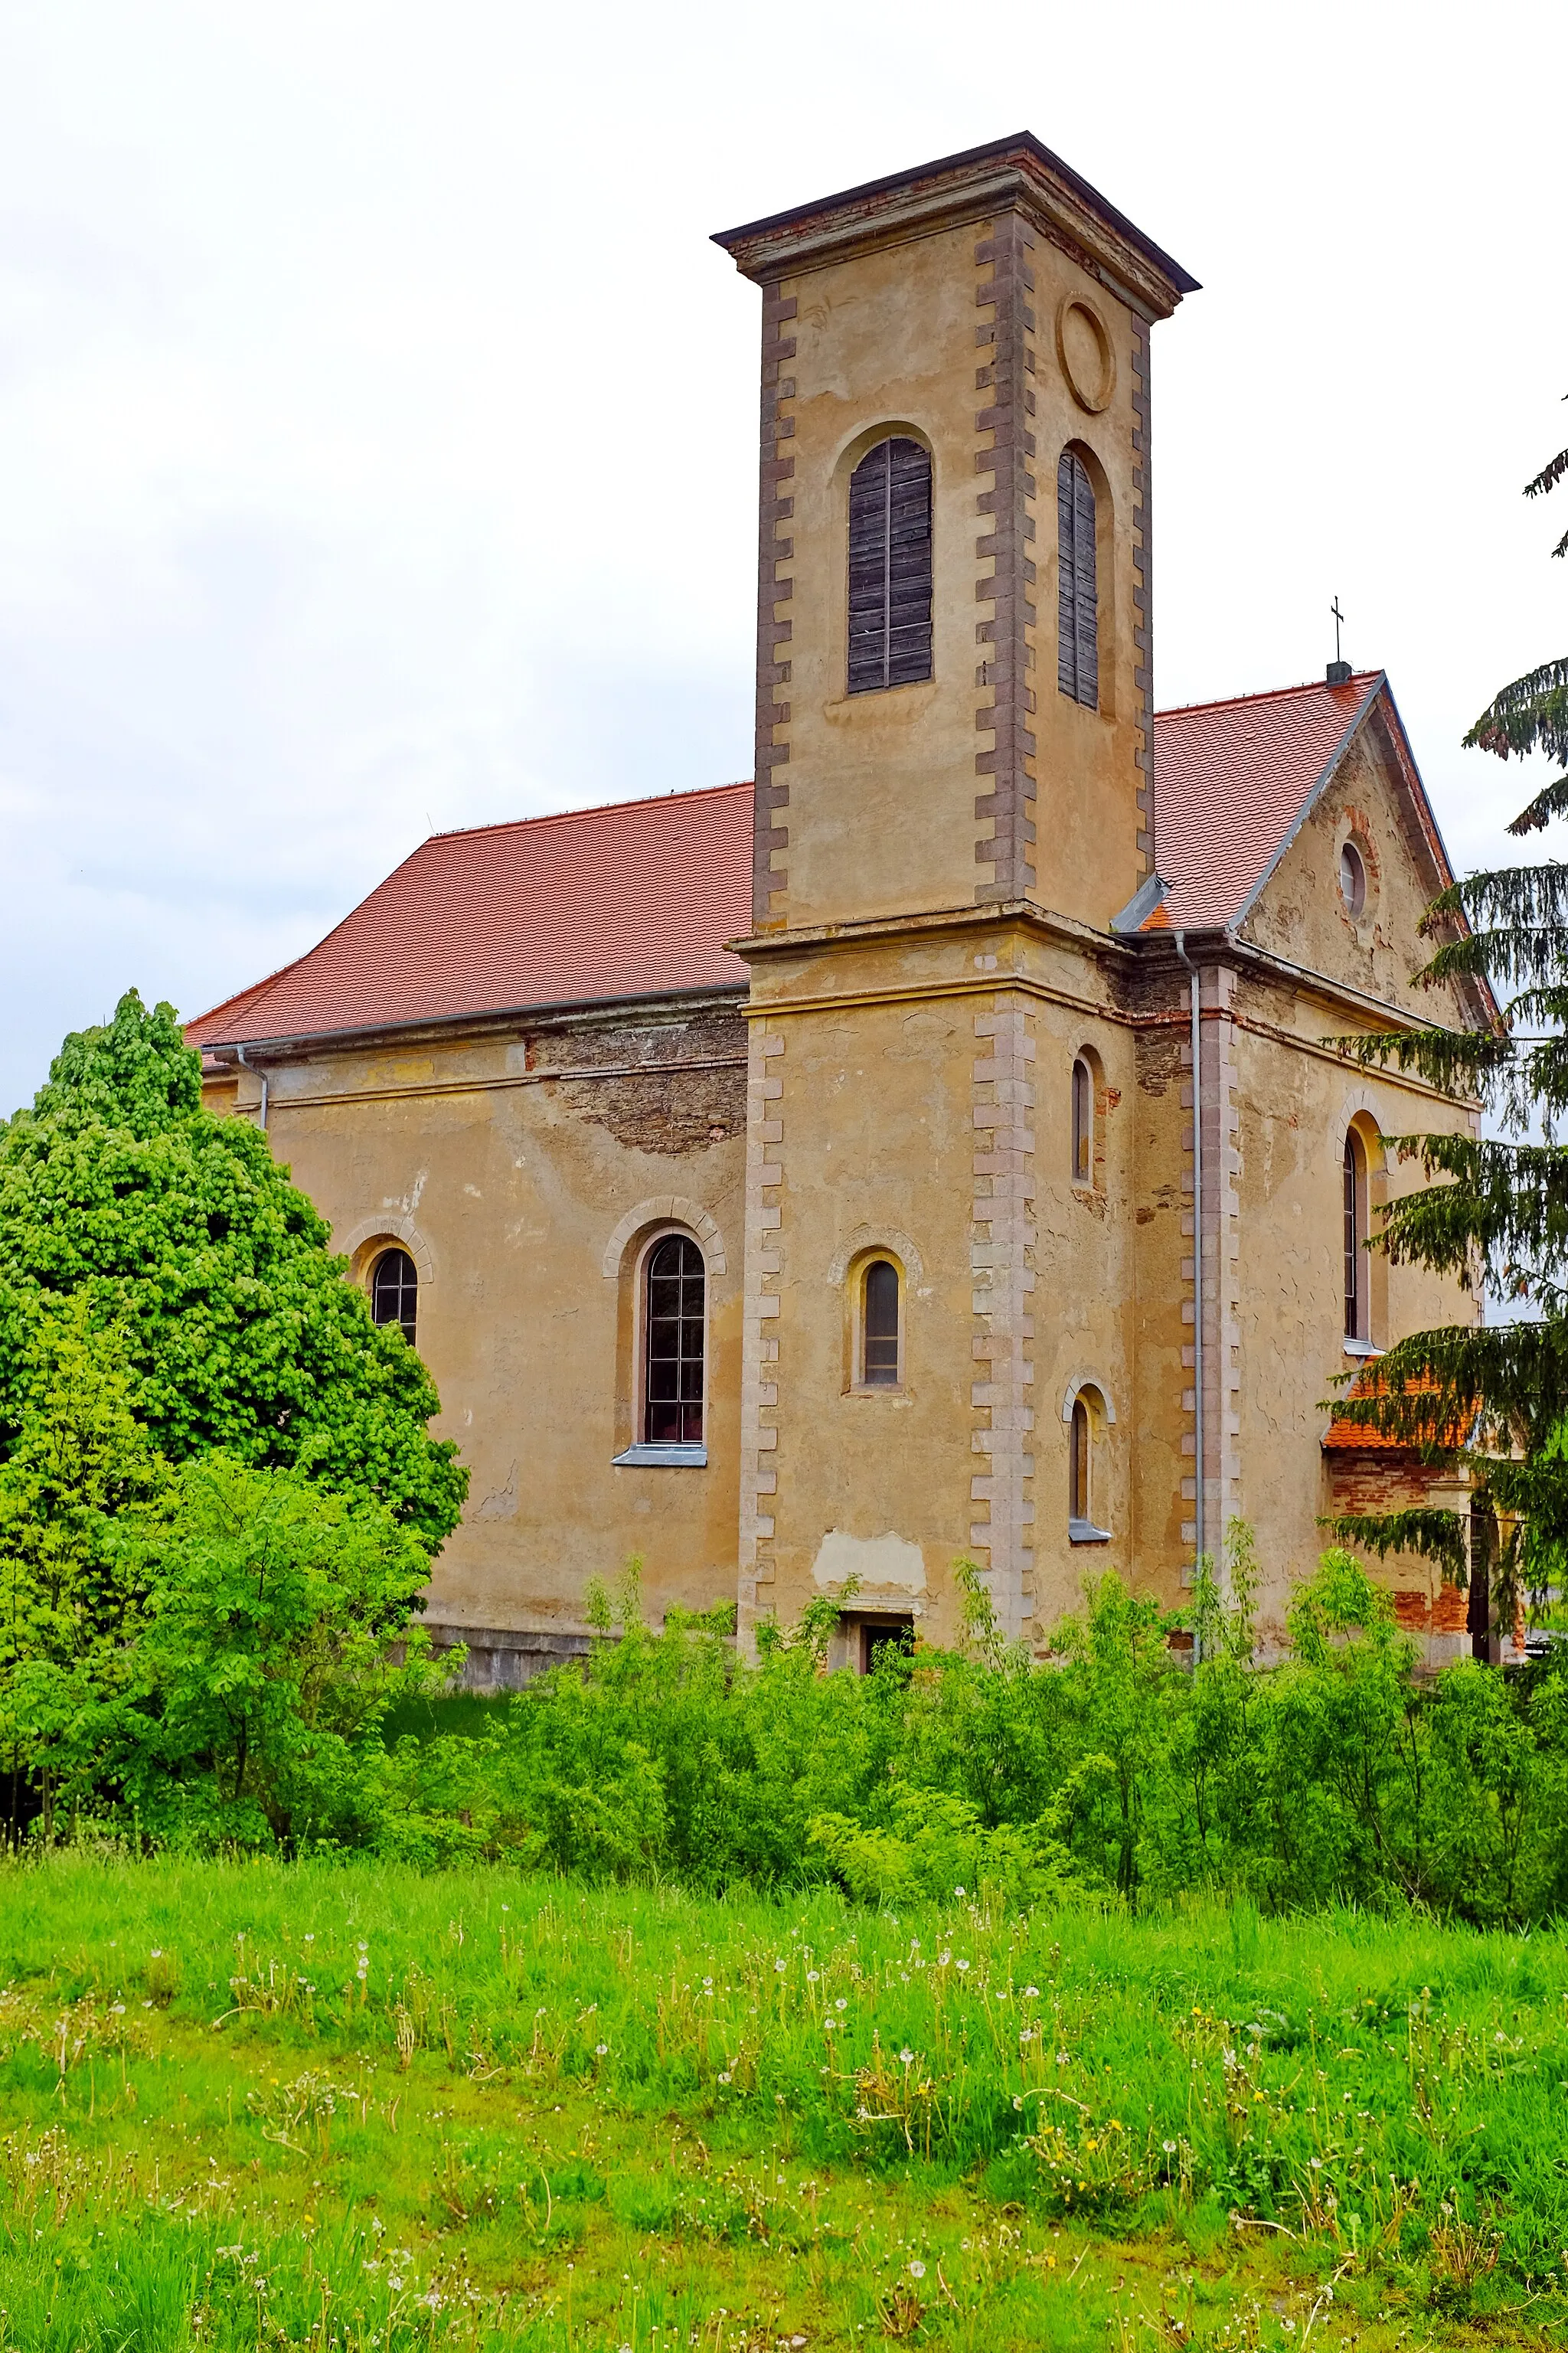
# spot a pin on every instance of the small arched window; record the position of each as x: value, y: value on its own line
x: 394, y: 1292
x: 1077, y: 603
x: 1357, y: 1289
x: 1082, y: 1123
x: 889, y: 567
x: 1353, y: 880
x: 880, y: 1326
x: 1079, y: 1464
x: 674, y: 1325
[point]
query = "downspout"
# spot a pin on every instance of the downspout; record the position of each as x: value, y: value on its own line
x: 1198, y: 1548
x: 244, y: 1065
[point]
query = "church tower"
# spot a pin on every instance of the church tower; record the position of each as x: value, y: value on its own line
x: 954, y: 799
x: 988, y: 316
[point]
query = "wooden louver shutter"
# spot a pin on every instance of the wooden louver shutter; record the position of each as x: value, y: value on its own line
x: 889, y: 567
x: 1077, y: 608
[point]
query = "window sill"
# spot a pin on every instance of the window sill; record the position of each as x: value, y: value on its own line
x: 1361, y: 1348
x: 1084, y: 1532
x: 667, y: 1457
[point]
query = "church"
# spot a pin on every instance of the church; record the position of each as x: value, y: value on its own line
x: 934, y: 1148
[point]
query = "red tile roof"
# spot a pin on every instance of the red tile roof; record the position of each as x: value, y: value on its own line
x: 1231, y: 782
x: 1345, y: 1436
x: 639, y: 899
x: 633, y: 901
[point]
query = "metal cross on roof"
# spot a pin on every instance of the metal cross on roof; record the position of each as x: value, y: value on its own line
x: 1339, y: 616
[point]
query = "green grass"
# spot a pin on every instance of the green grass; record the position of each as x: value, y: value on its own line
x: 341, y: 2105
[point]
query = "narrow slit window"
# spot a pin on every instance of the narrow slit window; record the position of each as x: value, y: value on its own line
x: 1078, y: 1463
x: 889, y: 567
x: 1077, y: 603
x: 879, y: 1366
x: 1082, y: 1123
x: 1355, y: 1238
x: 395, y: 1293
x: 675, y: 1327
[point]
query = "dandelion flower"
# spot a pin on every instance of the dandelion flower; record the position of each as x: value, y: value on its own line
x: 917, y: 2271
x: 600, y: 2049
x: 907, y: 2057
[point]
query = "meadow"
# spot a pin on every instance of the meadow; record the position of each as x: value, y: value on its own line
x: 341, y: 2103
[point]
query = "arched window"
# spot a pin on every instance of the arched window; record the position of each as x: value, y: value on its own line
x: 394, y: 1292
x: 1082, y: 1123
x: 1078, y: 605
x: 889, y: 567
x: 674, y: 1323
x: 1080, y: 1463
x: 1357, y: 1299
x: 1352, y: 879
x: 880, y: 1326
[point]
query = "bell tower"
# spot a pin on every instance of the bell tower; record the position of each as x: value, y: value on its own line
x: 988, y: 316
x: 953, y: 801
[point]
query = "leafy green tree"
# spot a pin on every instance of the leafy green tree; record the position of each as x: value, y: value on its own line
x: 1494, y: 1399
x: 262, y: 1671
x: 181, y: 1231
x: 83, y: 1481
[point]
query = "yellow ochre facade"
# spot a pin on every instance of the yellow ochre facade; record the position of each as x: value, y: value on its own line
x: 960, y: 1047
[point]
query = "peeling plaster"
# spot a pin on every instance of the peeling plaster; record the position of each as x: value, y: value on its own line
x: 878, y: 1561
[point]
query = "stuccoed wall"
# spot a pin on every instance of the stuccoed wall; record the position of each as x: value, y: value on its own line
x: 508, y: 1187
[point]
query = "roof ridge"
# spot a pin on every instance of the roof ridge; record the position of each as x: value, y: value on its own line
x: 598, y: 808
x: 1358, y: 678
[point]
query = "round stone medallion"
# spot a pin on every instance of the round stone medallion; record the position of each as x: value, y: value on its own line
x: 1083, y: 347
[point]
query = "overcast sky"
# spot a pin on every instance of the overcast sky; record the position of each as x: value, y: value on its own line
x: 377, y: 423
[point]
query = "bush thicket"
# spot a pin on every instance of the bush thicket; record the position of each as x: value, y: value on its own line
x: 1335, y: 1775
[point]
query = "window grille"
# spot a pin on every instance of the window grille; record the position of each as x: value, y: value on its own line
x: 394, y: 1292
x: 675, y: 1328
x: 1077, y: 608
x: 1356, y: 1236
x: 881, y: 1342
x: 889, y: 567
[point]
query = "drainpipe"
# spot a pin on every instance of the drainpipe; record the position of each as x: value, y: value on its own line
x: 261, y: 1123
x: 1198, y: 1254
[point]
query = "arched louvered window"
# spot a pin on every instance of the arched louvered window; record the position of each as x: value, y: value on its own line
x: 889, y: 567
x: 674, y: 1328
x: 394, y: 1292
x: 880, y: 1366
x: 1078, y: 605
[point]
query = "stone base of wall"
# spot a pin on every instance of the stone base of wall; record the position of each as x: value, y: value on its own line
x: 501, y: 1659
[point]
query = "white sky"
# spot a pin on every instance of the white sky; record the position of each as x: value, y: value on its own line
x: 377, y: 423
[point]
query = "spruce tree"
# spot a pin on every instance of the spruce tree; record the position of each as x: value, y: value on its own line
x: 1491, y: 1398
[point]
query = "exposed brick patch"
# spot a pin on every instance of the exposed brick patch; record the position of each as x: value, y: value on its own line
x: 1006, y: 805
x: 760, y: 1344
x: 1142, y: 594
x: 1002, y: 1270
x: 776, y: 508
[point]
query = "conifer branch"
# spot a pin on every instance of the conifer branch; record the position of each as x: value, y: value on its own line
x: 1434, y: 1534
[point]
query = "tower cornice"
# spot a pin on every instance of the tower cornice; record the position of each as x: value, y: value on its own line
x: 1017, y: 172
